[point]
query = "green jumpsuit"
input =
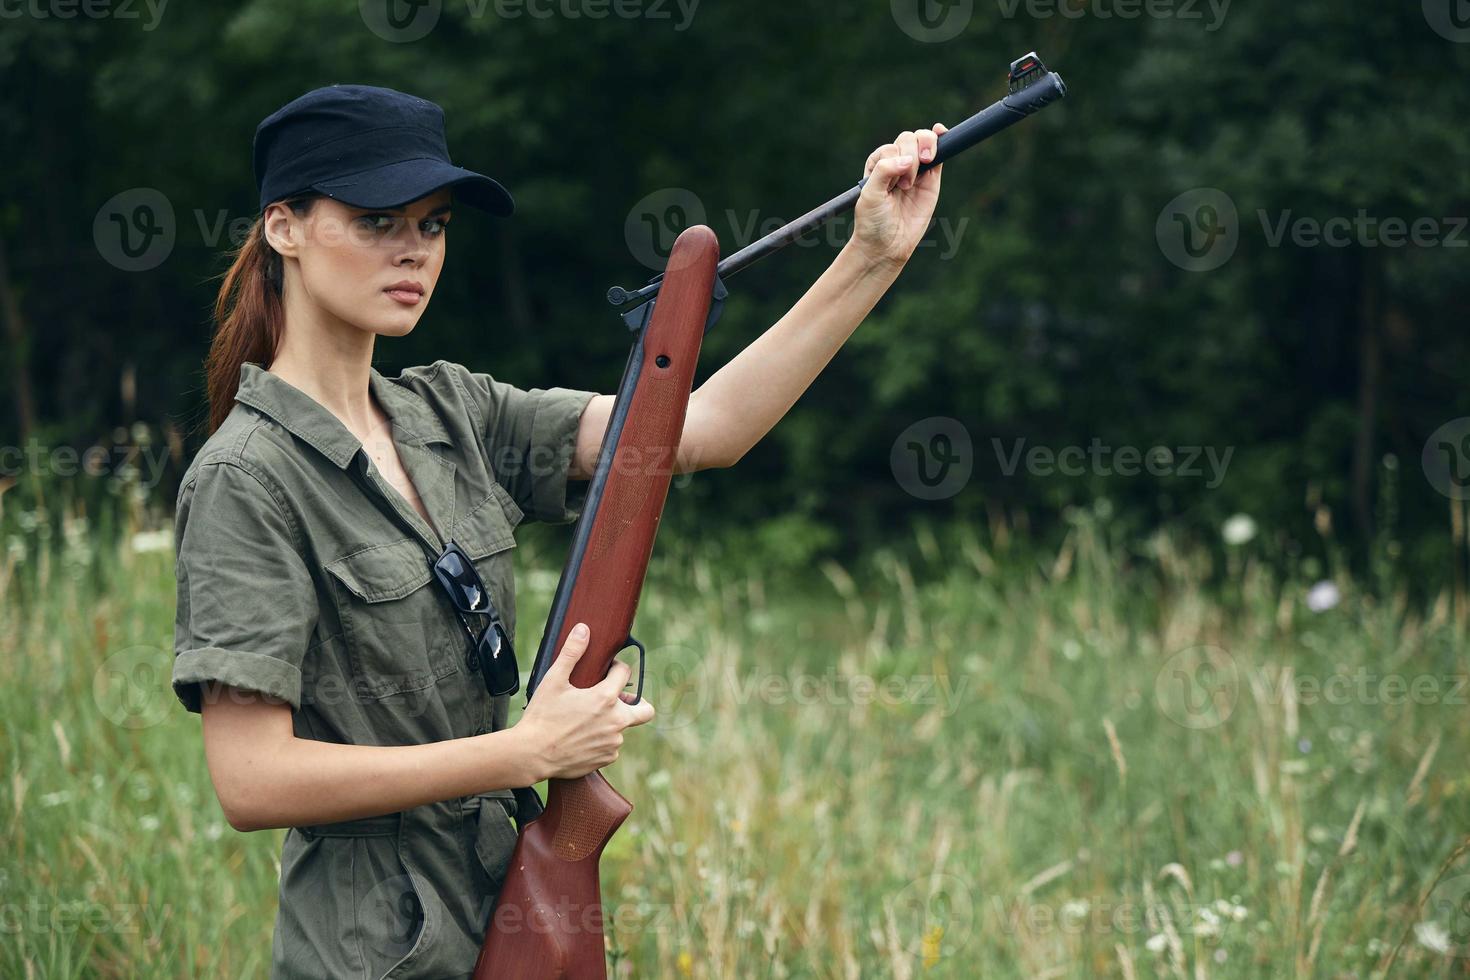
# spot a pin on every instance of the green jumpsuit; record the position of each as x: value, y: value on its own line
x: 305, y: 576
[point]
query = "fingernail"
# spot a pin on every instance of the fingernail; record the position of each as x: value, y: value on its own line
x: 580, y: 630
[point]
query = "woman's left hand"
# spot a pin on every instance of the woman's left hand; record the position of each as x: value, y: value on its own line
x: 897, y: 202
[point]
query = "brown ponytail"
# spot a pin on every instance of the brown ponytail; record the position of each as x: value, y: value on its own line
x: 248, y: 316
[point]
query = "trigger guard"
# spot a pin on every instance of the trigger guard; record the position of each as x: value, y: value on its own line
x: 631, y: 641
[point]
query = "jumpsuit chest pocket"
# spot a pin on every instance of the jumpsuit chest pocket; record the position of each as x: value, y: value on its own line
x: 401, y: 632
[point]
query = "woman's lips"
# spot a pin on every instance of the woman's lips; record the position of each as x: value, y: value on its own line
x: 408, y: 297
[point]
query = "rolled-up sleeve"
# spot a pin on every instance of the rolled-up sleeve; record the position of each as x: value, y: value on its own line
x: 246, y: 603
x: 529, y: 437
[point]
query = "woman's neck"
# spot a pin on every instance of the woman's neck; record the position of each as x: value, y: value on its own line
x: 331, y: 362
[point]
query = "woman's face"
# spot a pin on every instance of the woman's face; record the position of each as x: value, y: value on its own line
x: 374, y: 270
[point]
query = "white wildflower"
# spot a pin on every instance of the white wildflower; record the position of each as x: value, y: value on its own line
x: 1075, y: 909
x: 1157, y: 943
x: 74, y: 533
x: 1230, y: 910
x: 1323, y: 596
x: 1238, y: 529
x: 160, y: 540
x: 1432, y: 936
x: 1208, y: 923
x: 148, y: 822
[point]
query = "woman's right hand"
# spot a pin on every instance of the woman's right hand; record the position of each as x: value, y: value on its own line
x: 570, y: 731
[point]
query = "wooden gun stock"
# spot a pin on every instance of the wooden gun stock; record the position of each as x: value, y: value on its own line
x: 548, y: 917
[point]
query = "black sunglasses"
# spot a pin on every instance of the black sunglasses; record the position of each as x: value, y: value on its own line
x: 491, y: 652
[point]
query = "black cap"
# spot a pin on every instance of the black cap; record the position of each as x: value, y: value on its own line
x: 365, y: 146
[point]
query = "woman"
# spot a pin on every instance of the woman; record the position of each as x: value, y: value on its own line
x: 344, y: 694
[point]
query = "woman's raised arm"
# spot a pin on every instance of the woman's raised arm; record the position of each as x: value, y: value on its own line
x: 743, y: 400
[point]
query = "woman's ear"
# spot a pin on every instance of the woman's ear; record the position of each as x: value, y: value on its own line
x: 280, y: 224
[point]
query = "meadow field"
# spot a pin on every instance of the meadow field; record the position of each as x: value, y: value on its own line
x: 966, y: 757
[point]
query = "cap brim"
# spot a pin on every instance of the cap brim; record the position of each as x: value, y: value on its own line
x: 396, y: 184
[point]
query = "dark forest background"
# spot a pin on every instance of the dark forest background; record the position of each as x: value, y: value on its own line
x: 1080, y: 287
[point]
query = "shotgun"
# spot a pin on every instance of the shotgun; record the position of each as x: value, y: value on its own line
x: 547, y: 921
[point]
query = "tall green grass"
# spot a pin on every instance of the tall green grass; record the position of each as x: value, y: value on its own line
x: 962, y: 758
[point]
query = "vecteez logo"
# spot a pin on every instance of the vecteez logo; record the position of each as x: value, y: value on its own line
x: 400, y: 21
x: 655, y: 221
x: 1199, y: 230
x: 135, y: 230
x: 1197, y: 688
x: 932, y: 21
x: 933, y: 458
x: 1450, y: 19
x: 1446, y: 459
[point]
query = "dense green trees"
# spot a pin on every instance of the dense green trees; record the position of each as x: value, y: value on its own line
x: 1241, y: 238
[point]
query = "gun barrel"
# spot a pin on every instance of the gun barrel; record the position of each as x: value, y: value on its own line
x: 1032, y: 87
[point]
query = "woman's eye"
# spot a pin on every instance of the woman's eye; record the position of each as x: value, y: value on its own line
x: 377, y: 222
x: 434, y: 226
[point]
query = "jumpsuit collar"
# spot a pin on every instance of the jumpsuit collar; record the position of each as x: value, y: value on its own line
x: 307, y: 419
